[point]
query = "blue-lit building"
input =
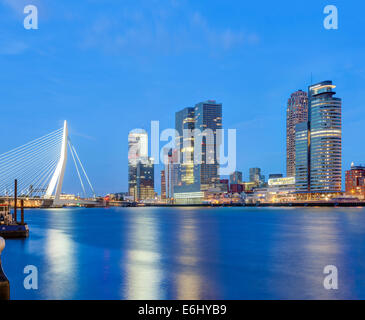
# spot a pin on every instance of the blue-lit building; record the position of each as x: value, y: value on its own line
x: 302, y: 157
x: 319, y: 143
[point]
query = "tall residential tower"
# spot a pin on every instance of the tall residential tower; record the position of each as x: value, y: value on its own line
x: 319, y: 143
x: 296, y: 112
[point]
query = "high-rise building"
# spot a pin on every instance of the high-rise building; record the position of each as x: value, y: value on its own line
x: 184, y: 125
x: 208, y: 119
x: 302, y: 157
x: 319, y: 142
x: 199, y: 148
x: 163, y: 185
x: 171, y: 171
x: 235, y: 178
x: 296, y: 112
x: 137, y: 150
x: 145, y: 179
x: 140, y: 167
x: 355, y: 181
x: 325, y: 138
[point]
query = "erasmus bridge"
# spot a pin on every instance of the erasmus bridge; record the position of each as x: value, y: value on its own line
x: 39, y: 167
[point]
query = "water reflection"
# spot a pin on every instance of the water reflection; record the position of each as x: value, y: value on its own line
x: 307, y: 244
x: 144, y: 271
x: 60, y: 279
x: 188, y: 281
x: 188, y: 253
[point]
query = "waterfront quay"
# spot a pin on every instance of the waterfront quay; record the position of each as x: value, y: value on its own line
x: 291, y: 204
x: 47, y: 203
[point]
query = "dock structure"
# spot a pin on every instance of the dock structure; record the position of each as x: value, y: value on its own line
x: 9, y: 225
x: 4, y: 282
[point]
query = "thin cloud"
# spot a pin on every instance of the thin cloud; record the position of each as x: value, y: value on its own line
x: 18, y: 5
x: 168, y: 29
x: 12, y: 47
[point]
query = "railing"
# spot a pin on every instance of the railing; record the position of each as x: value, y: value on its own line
x: 4, y: 282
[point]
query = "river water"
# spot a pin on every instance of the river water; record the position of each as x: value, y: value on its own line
x: 189, y: 253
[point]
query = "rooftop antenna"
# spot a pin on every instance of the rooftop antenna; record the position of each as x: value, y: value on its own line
x: 311, y: 78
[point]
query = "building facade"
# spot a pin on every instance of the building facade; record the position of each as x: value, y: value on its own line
x: 296, y: 112
x: 137, y: 150
x: 208, y: 119
x: 325, y: 138
x: 275, y: 175
x: 184, y: 126
x: 236, y: 188
x: 140, y: 167
x: 355, y: 182
x: 163, y: 185
x: 319, y: 143
x: 302, y: 157
x: 235, y: 178
x: 256, y: 176
x: 198, y: 147
x: 145, y: 187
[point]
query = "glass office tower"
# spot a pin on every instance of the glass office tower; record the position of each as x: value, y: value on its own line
x: 198, y: 169
x: 185, y: 124
x: 325, y: 138
x: 208, y: 119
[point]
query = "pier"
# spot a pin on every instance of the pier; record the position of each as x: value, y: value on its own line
x: 9, y: 225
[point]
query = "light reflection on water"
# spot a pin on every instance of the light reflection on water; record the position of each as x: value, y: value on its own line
x: 188, y: 253
x: 144, y: 273
x: 188, y: 282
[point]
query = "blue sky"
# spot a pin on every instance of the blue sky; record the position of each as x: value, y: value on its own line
x: 111, y: 66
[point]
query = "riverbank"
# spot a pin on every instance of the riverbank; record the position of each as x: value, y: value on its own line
x: 294, y: 204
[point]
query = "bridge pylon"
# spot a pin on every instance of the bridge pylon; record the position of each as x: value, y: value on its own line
x: 57, y: 178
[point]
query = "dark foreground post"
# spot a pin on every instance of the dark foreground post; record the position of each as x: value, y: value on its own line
x: 22, y: 211
x: 15, y: 199
x: 4, y: 282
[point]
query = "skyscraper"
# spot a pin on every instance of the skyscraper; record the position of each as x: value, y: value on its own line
x: 296, y: 112
x: 208, y: 119
x: 137, y: 150
x: 140, y: 167
x: 171, y: 171
x: 319, y: 142
x: 145, y: 179
x: 197, y: 141
x: 325, y: 138
x: 184, y: 123
x: 302, y: 157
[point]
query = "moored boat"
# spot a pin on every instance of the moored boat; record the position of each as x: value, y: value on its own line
x: 9, y: 228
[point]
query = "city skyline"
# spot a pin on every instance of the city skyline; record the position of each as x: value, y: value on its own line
x: 73, y: 71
